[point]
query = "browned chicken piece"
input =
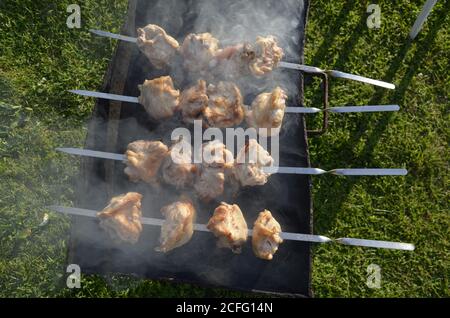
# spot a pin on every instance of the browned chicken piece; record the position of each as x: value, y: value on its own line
x: 225, y: 106
x: 143, y: 159
x: 267, y: 55
x: 159, y: 98
x: 267, y: 111
x: 266, y: 235
x: 157, y: 46
x: 121, y: 219
x: 229, y: 226
x: 209, y: 183
x: 220, y: 105
x: 178, y: 168
x: 249, y: 164
x: 198, y: 50
x: 258, y: 59
x: 178, y: 225
x: 193, y: 102
x: 216, y: 155
x: 233, y: 62
x: 211, y: 173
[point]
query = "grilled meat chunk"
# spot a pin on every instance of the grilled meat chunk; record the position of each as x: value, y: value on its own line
x: 159, y: 97
x: 157, y: 46
x: 229, y: 226
x: 211, y: 173
x: 266, y: 235
x: 232, y: 62
x: 143, y: 159
x: 267, y: 111
x: 219, y: 105
x: 121, y: 219
x: 215, y: 154
x: 178, y: 225
x: 193, y: 102
x: 267, y: 55
x: 198, y: 50
x: 258, y: 59
x: 209, y: 183
x: 249, y: 164
x: 177, y: 168
x: 225, y: 105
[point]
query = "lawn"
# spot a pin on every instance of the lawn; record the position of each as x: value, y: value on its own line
x: 40, y: 58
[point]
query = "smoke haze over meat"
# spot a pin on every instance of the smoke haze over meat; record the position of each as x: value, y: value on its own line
x: 233, y: 22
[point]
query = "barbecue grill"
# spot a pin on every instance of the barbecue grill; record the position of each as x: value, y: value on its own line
x: 115, y: 124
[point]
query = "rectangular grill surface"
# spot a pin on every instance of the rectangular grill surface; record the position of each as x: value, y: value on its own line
x: 113, y: 126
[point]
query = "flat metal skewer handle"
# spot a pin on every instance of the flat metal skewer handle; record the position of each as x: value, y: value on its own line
x: 344, y: 109
x: 342, y: 172
x: 294, y: 66
x: 284, y: 235
x: 337, y: 74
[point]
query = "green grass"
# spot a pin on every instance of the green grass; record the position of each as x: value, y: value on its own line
x: 413, y: 208
x: 40, y: 58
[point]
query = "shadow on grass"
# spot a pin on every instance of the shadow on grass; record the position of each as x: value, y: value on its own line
x: 347, y: 48
x: 435, y: 22
x: 349, y: 45
x: 331, y: 33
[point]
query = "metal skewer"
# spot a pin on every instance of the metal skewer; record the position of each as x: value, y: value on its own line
x: 342, y: 172
x: 294, y: 66
x: 344, y: 109
x: 284, y: 235
x: 298, y: 110
x: 120, y: 98
x: 113, y: 35
x: 284, y: 170
x: 337, y: 74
